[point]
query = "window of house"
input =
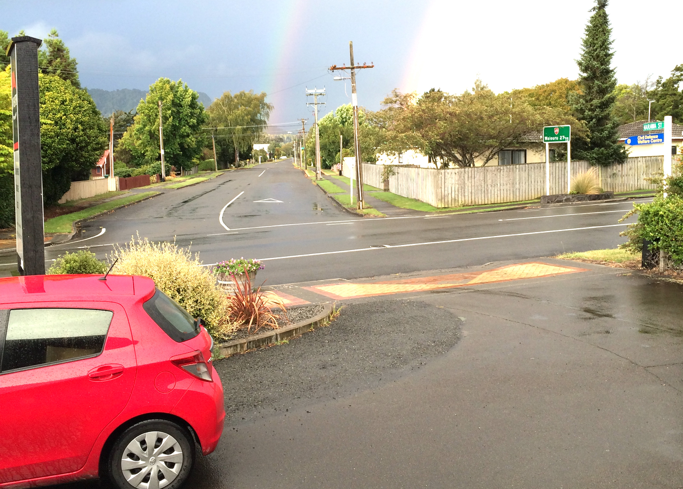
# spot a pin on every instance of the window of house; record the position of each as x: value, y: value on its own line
x: 512, y: 157
x: 38, y: 337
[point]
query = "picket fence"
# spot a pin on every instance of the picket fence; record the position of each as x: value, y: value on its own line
x: 498, y: 184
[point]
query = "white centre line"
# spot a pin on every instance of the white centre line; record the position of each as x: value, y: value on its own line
x: 428, y: 243
x: 563, y: 215
x: 220, y: 217
x: 263, y: 172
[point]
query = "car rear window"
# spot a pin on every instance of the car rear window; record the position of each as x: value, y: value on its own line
x: 171, y: 317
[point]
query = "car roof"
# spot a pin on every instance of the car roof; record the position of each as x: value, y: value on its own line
x: 74, y: 287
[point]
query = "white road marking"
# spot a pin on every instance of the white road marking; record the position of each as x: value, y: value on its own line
x: 428, y: 243
x: 220, y: 217
x: 104, y: 230
x: 263, y: 172
x: 563, y: 215
x: 268, y: 201
x: 435, y: 217
x: 340, y: 223
x: 222, y: 234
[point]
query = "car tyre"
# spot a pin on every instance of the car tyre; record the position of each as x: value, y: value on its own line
x: 154, y: 454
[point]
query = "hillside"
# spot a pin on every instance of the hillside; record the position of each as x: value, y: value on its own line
x: 126, y: 99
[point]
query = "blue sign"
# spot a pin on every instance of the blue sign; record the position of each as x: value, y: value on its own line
x: 645, y: 139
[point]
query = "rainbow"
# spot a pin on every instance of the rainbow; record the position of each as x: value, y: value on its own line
x: 283, y: 55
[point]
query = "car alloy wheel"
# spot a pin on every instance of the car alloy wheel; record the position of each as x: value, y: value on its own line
x: 151, y: 455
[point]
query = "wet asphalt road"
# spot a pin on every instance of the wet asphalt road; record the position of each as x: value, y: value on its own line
x: 278, y: 215
x: 567, y: 382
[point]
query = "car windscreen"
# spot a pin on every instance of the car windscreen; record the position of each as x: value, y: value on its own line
x: 171, y: 317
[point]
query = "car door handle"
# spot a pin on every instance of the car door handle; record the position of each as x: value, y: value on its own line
x: 105, y: 372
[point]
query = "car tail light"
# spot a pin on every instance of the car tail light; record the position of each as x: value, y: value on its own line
x: 194, y: 364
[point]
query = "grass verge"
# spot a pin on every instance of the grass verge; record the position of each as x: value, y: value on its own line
x: 64, y: 223
x: 330, y: 187
x: 345, y: 200
x: 407, y: 203
x: 96, y: 198
x: 347, y: 181
x: 611, y: 257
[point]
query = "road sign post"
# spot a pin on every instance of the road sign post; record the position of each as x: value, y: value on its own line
x: 557, y: 134
x: 28, y: 172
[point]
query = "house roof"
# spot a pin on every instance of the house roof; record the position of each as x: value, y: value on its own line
x: 636, y: 129
x: 103, y: 159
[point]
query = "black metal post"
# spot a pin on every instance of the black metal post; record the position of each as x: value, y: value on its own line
x: 28, y: 172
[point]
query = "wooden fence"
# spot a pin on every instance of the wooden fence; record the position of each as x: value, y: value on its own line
x: 134, y: 182
x: 499, y: 184
x: 89, y: 188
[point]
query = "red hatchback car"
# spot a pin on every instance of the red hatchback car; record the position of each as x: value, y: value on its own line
x: 102, y: 377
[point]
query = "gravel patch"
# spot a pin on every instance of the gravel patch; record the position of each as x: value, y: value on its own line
x: 369, y: 345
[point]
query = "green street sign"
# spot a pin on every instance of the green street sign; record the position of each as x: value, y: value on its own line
x: 557, y: 134
x: 653, y: 126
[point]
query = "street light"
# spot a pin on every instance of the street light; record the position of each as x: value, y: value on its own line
x: 649, y: 108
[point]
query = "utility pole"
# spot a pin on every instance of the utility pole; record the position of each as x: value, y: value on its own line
x: 302, y: 146
x: 161, y: 145
x: 111, y: 148
x: 341, y: 154
x: 354, y: 100
x: 215, y: 161
x: 315, y: 93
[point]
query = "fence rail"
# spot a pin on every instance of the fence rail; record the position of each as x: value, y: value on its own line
x: 134, y: 182
x: 499, y: 184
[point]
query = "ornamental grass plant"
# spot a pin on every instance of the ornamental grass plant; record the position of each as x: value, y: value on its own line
x: 586, y: 183
x: 180, y: 275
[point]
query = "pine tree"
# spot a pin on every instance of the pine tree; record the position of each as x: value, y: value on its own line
x: 56, y: 60
x: 595, y: 104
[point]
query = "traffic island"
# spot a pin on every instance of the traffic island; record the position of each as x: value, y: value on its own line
x: 277, y: 336
x: 572, y: 198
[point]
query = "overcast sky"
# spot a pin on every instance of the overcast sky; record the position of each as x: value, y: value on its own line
x: 283, y: 46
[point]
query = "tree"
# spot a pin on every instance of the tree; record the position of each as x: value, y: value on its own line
x: 6, y: 137
x: 4, y: 44
x: 595, y: 103
x: 54, y: 59
x: 72, y: 132
x: 555, y: 94
x: 467, y: 128
x: 631, y: 102
x: 331, y: 126
x: 245, y: 117
x: 668, y: 96
x: 183, y: 117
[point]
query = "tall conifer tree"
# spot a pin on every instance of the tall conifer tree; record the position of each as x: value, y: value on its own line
x: 595, y: 104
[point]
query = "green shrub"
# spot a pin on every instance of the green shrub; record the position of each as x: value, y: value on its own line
x: 207, y: 165
x: 152, y: 169
x: 123, y: 171
x: 80, y: 263
x: 6, y: 200
x: 181, y: 276
x: 661, y: 223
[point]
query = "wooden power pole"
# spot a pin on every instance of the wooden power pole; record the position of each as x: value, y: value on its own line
x: 315, y: 93
x: 161, y: 145
x: 215, y: 160
x: 354, y: 100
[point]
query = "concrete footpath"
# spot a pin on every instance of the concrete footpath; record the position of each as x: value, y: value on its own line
x: 562, y: 375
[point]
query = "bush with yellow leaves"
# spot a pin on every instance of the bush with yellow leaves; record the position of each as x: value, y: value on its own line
x: 180, y: 275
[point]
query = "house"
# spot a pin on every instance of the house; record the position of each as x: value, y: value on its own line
x: 635, y: 129
x: 531, y: 150
x: 102, y: 167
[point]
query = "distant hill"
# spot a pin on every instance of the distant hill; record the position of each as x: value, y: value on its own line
x: 126, y: 99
